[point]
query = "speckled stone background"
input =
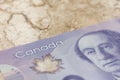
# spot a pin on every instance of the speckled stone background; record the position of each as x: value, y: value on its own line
x: 25, y: 21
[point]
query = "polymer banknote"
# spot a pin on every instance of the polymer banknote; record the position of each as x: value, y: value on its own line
x: 91, y: 53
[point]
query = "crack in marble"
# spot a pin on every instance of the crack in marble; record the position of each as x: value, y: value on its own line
x: 26, y: 19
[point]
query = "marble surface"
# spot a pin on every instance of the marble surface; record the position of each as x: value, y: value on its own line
x: 25, y: 21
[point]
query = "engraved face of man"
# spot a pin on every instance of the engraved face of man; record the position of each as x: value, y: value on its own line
x: 102, y: 50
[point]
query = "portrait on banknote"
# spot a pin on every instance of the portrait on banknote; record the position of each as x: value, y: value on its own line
x: 105, y: 64
x: 101, y: 48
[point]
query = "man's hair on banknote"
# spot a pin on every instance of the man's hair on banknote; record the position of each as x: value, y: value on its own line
x: 110, y: 33
x: 73, y: 77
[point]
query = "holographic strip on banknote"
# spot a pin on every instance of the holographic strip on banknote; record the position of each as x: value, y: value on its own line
x: 91, y: 53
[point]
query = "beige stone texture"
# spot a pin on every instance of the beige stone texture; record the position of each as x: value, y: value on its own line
x: 25, y: 21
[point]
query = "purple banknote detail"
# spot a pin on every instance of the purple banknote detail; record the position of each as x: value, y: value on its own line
x: 91, y: 53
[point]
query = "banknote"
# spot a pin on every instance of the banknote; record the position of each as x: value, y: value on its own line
x: 91, y: 53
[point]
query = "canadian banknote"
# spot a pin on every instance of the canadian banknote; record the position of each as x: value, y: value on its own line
x: 91, y: 53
